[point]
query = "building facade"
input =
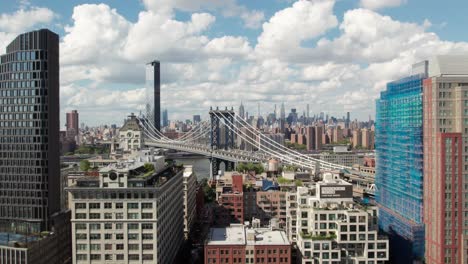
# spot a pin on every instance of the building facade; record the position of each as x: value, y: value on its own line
x: 399, y: 168
x: 131, y: 135
x: 241, y: 244
x: 128, y: 214
x: 331, y: 228
x: 190, y: 199
x: 29, y: 129
x: 153, y: 94
x: 445, y: 124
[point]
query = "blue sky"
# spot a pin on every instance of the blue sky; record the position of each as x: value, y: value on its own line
x: 335, y: 55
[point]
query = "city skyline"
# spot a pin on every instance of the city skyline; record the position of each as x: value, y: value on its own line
x: 218, y: 52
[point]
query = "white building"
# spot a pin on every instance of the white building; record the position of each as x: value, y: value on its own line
x: 190, y: 193
x: 330, y: 228
x: 128, y: 214
x: 131, y: 135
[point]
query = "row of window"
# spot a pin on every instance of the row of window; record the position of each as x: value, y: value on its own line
x: 130, y: 236
x: 82, y: 247
x: 118, y: 226
x: 111, y: 257
x: 117, y: 205
x: 249, y: 260
x: 114, y: 216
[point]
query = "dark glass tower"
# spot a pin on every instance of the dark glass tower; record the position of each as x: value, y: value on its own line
x: 29, y: 132
x: 153, y: 93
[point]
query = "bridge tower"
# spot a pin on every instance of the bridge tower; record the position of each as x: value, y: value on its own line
x: 221, y: 137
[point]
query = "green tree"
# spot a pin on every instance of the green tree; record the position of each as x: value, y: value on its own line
x: 210, y: 193
x: 148, y: 167
x: 85, y: 165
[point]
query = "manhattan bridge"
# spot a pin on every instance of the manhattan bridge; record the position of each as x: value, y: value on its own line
x: 216, y: 139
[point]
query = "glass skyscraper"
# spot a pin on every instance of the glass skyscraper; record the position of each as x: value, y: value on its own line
x: 399, y: 167
x: 29, y: 132
x: 153, y: 94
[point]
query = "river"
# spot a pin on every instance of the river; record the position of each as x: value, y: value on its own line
x: 201, y: 166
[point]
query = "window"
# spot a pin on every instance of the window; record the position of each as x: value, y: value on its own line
x: 95, y: 247
x: 108, y: 236
x: 119, y: 205
x: 80, y: 216
x: 132, y: 236
x: 132, y: 205
x: 119, y: 236
x: 132, y: 216
x: 95, y: 257
x: 146, y: 205
x: 146, y: 215
x: 119, y: 246
x: 133, y: 247
x: 107, y: 205
x: 81, y: 246
x: 119, y: 216
x: 81, y: 236
x: 108, y: 246
x: 80, y: 226
x: 147, y: 236
x: 81, y: 257
x: 94, y: 226
x: 94, y: 205
x: 108, y: 257
x: 80, y: 206
x: 107, y: 226
x: 147, y: 226
x: 147, y: 246
x: 147, y: 256
x: 133, y: 257
x: 95, y: 236
x: 132, y: 226
x: 94, y: 215
x: 107, y: 215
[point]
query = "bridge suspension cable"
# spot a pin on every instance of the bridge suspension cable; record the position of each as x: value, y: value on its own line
x: 282, y: 147
x: 287, y: 159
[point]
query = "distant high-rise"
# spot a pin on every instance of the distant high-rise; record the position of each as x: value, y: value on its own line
x: 242, y: 111
x: 348, y: 119
x: 399, y: 170
x: 196, y: 119
x: 283, y: 111
x: 153, y: 93
x: 72, y: 121
x: 30, y: 125
x: 165, y: 118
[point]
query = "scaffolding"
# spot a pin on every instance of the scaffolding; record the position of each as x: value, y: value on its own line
x: 399, y: 168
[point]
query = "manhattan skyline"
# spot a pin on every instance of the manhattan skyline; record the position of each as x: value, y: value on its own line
x: 334, y: 55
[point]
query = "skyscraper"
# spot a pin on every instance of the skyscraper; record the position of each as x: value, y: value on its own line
x: 241, y: 111
x: 283, y: 112
x: 153, y: 93
x: 445, y: 104
x: 165, y: 118
x: 72, y: 121
x: 399, y: 170
x: 29, y: 125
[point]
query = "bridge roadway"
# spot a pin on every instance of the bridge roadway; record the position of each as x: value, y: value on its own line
x: 236, y: 155
x: 233, y: 155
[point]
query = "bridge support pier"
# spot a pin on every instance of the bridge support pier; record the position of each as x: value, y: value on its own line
x: 215, y: 165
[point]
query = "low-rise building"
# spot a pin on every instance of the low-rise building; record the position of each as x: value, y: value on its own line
x: 242, y: 244
x: 331, y: 228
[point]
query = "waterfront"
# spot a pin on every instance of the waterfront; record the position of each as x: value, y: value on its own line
x: 201, y: 165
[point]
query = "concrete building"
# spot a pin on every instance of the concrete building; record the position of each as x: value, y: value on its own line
x: 331, y: 228
x: 445, y: 126
x: 131, y: 135
x: 357, y: 138
x: 130, y: 213
x: 337, y: 134
x: 190, y: 199
x: 72, y: 121
x: 241, y: 244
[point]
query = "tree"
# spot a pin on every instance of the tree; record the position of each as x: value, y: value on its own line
x: 85, y: 165
x: 209, y: 193
x: 148, y: 167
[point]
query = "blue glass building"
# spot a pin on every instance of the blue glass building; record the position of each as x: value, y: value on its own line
x: 399, y: 167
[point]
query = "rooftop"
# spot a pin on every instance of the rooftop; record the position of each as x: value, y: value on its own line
x: 238, y: 234
x: 10, y: 239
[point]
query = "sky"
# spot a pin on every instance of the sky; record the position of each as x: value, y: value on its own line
x: 335, y: 55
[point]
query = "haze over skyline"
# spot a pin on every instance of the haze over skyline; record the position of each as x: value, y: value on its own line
x: 335, y: 55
